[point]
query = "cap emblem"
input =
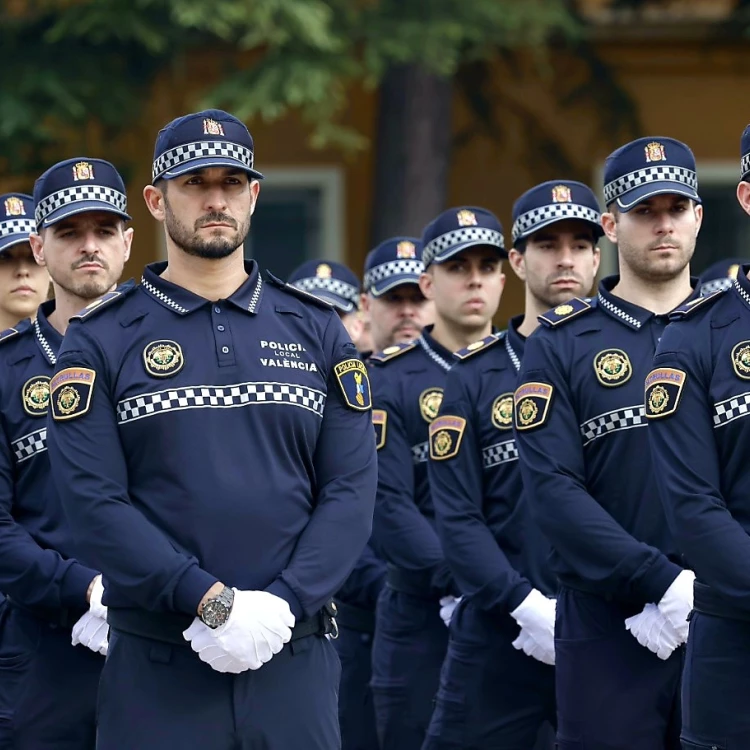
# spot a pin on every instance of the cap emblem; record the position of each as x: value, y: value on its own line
x: 323, y: 271
x: 82, y: 170
x: 561, y: 194
x: 406, y: 249
x: 655, y: 152
x: 14, y: 207
x: 466, y: 218
x: 211, y: 127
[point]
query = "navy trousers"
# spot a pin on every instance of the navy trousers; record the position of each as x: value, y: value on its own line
x: 612, y: 693
x: 47, y: 686
x: 155, y: 696
x: 491, y: 695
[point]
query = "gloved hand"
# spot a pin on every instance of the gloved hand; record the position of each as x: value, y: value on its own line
x: 92, y: 632
x: 536, y: 615
x: 95, y: 600
x: 654, y: 631
x: 677, y: 603
x: 204, y: 644
x: 258, y: 627
x: 447, y: 607
x: 531, y: 648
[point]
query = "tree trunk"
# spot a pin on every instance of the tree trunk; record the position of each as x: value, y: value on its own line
x: 412, y: 151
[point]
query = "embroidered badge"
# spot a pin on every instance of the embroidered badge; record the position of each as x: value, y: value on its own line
x: 612, y: 367
x: 561, y: 194
x: 502, y: 411
x: 532, y: 402
x: 741, y: 360
x: 663, y: 390
x: 70, y: 392
x: 82, y: 170
x: 211, y: 127
x: 14, y: 206
x: 35, y: 395
x: 466, y: 218
x: 429, y: 403
x: 654, y: 152
x: 163, y: 358
x: 379, y: 422
x: 406, y: 249
x: 355, y: 385
x: 446, y: 433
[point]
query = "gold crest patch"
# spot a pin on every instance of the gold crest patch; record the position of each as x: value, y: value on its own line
x: 35, y: 396
x: 70, y: 392
x: 323, y: 271
x: 14, y: 206
x: 446, y: 433
x: 82, y: 170
x: 163, y: 358
x: 654, y: 152
x: 379, y: 422
x: 663, y: 391
x: 532, y: 402
x: 355, y: 385
x: 211, y: 127
x: 429, y: 403
x: 406, y: 249
x: 741, y: 360
x: 502, y: 411
x: 466, y: 218
x: 612, y: 367
x: 561, y: 194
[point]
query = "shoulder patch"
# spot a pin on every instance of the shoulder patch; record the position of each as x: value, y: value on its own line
x: 565, y: 312
x: 70, y: 392
x: 479, y: 346
x: 532, y: 401
x: 107, y: 300
x: 699, y: 303
x: 663, y: 391
x: 351, y: 375
x: 304, y: 296
x: 446, y: 433
x: 392, y: 352
x: 379, y: 422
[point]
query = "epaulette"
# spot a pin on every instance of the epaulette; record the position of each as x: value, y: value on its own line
x: 8, y: 334
x: 106, y: 301
x: 305, y: 296
x: 392, y: 352
x: 565, y: 312
x: 699, y: 303
x: 479, y: 346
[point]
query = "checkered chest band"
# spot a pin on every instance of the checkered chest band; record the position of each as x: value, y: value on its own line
x: 200, y: 150
x: 392, y: 268
x: 30, y: 445
x: 620, y: 186
x: 500, y: 453
x: 334, y: 286
x: 463, y: 236
x: 526, y: 223
x: 16, y: 226
x: 77, y: 194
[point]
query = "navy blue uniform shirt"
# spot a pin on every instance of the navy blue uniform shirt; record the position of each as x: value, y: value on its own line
x: 38, y: 568
x: 585, y: 460
x: 496, y: 553
x: 196, y: 441
x: 697, y: 404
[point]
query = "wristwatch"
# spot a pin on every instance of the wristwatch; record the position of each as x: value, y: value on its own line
x: 216, y: 610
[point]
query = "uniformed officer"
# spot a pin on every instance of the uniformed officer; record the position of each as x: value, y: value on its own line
x: 212, y: 437
x: 53, y: 630
x: 696, y: 404
x: 624, y: 597
x: 23, y: 283
x: 463, y: 250
x: 720, y: 275
x: 497, y: 685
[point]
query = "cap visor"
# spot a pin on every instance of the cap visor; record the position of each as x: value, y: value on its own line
x: 637, y: 195
x: 12, y: 240
x: 376, y: 290
x: 195, y: 164
x: 81, y: 207
x: 465, y: 246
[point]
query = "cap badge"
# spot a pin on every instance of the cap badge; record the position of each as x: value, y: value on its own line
x: 14, y: 207
x: 733, y: 270
x: 655, y: 152
x: 466, y: 218
x: 406, y: 249
x: 323, y: 271
x: 82, y: 170
x: 561, y: 194
x: 211, y: 127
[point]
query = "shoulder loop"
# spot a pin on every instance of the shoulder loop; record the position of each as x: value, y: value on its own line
x: 686, y: 310
x: 304, y: 296
x: 392, y: 352
x: 107, y: 300
x: 479, y: 346
x: 9, y: 333
x: 565, y: 312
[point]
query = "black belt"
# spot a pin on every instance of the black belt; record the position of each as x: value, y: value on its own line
x: 709, y: 602
x: 355, y: 618
x: 169, y: 626
x: 416, y: 583
x: 65, y: 617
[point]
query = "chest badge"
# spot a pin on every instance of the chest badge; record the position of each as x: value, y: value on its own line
x: 429, y: 403
x: 612, y: 367
x: 163, y: 358
x: 35, y: 395
x: 741, y: 360
x: 502, y: 411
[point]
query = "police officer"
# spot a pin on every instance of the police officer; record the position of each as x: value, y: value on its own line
x: 696, y: 404
x: 463, y: 249
x: 497, y: 682
x: 720, y: 275
x: 53, y: 630
x: 586, y: 465
x: 212, y: 437
x: 23, y: 283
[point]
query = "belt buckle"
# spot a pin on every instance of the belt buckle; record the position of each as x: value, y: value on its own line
x: 335, y: 632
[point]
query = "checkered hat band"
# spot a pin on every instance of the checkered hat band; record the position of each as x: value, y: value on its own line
x: 745, y: 164
x: 613, y: 421
x: 28, y: 446
x: 333, y: 286
x: 393, y: 268
x: 463, y: 236
x: 500, y: 453
x: 79, y: 193
x: 526, y: 223
x: 613, y: 190
x: 16, y: 226
x: 200, y: 150
x: 716, y: 285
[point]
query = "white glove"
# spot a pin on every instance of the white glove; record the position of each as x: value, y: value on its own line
x: 654, y: 631
x: 531, y: 648
x: 92, y: 632
x: 95, y: 600
x: 536, y: 616
x: 447, y: 606
x: 677, y: 603
x: 258, y: 627
x: 204, y: 644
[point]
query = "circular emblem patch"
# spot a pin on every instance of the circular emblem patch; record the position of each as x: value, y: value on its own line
x: 429, y: 403
x: 563, y: 309
x: 163, y: 358
x: 443, y: 443
x: 68, y: 400
x: 658, y: 399
x: 35, y: 396
x: 527, y: 411
x: 612, y: 367
x: 741, y: 360
x: 502, y: 411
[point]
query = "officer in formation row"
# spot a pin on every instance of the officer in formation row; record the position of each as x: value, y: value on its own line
x: 155, y: 514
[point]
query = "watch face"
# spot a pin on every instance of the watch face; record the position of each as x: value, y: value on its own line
x: 214, y: 613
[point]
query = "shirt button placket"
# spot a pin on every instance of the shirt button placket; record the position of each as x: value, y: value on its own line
x: 222, y: 336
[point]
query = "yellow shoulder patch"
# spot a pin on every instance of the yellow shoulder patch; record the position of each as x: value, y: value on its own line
x: 565, y: 312
x: 478, y: 346
x: 354, y: 383
x: 70, y: 392
x: 686, y: 310
x: 532, y: 401
x: 446, y: 433
x: 379, y: 422
x: 663, y: 391
x: 96, y: 305
x: 392, y: 352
